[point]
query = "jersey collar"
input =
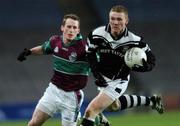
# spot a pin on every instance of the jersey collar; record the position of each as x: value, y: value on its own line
x: 73, y: 42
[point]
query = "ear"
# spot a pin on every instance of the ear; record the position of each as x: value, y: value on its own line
x: 127, y: 20
x: 78, y: 30
x: 62, y: 28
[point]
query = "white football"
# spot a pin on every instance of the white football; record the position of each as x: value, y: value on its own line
x: 134, y: 56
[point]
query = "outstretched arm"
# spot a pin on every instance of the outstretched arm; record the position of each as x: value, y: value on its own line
x: 26, y: 52
x: 37, y: 50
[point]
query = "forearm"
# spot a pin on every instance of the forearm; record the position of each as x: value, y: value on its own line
x: 37, y: 50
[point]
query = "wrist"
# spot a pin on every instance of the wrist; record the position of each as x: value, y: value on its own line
x: 29, y: 52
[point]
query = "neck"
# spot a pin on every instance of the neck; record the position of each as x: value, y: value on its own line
x: 118, y: 35
x: 65, y: 41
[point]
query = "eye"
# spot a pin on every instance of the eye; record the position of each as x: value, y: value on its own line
x: 119, y: 19
x: 112, y: 18
x: 74, y: 27
x: 68, y: 26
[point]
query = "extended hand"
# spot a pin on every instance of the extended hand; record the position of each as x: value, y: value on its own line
x: 22, y: 56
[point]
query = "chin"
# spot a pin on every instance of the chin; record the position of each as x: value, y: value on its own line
x: 115, y: 33
x: 70, y: 39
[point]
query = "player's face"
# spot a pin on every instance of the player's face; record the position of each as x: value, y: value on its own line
x: 118, y: 22
x: 70, y: 30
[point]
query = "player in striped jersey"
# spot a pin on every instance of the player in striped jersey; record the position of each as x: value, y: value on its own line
x: 64, y: 94
x: 106, y: 49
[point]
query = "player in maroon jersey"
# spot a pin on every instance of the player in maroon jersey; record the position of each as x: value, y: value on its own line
x: 64, y: 94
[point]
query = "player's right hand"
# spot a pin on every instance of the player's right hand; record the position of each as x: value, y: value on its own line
x: 99, y: 80
x: 100, y: 83
x: 22, y: 56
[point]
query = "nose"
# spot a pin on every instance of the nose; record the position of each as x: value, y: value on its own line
x: 71, y: 29
x: 115, y: 22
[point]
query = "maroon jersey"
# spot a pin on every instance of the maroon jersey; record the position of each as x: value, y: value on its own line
x: 69, y: 63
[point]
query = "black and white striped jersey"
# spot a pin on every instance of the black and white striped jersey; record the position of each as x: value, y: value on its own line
x: 106, y: 54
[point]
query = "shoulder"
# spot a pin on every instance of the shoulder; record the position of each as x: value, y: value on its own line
x: 81, y: 43
x: 54, y: 38
x: 99, y: 30
x: 79, y: 40
x: 98, y: 33
x: 133, y: 37
x: 138, y: 40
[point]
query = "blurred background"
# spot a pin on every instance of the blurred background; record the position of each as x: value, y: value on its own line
x: 28, y: 23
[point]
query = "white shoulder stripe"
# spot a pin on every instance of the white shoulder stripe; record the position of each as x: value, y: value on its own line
x: 133, y: 37
x: 101, y: 32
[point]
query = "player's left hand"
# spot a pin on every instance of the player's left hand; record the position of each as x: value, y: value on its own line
x: 143, y: 68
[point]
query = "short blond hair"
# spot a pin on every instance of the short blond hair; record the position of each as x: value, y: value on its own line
x: 119, y: 8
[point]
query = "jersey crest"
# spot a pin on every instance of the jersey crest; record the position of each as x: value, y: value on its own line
x: 56, y: 49
x: 73, y: 56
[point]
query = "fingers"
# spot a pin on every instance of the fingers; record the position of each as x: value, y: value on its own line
x: 144, y: 62
x: 101, y: 82
x: 22, y: 56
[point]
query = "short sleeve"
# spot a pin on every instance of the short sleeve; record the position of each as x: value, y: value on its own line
x: 47, y: 47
